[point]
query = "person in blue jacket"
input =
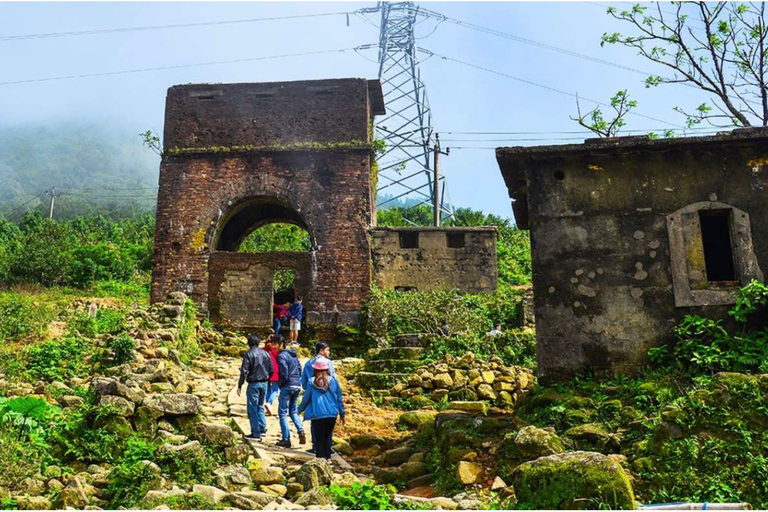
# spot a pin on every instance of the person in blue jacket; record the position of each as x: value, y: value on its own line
x: 322, y: 350
x: 290, y: 388
x: 322, y: 404
x: 296, y: 312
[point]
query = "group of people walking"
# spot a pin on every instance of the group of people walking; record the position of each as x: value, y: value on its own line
x: 276, y: 370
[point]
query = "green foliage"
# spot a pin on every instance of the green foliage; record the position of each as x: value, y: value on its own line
x: 130, y: 479
x: 122, y: 348
x: 387, y: 313
x: 596, y: 123
x: 59, y: 359
x: 704, y: 345
x: 277, y: 237
x: 18, y: 459
x: 84, y: 435
x: 106, y: 321
x: 367, y: 496
x: 514, y: 347
x: 192, y: 501
x: 21, y: 317
x: 751, y: 299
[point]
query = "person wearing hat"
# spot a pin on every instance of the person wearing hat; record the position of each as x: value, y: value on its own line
x: 322, y: 404
x: 322, y: 350
x: 256, y: 369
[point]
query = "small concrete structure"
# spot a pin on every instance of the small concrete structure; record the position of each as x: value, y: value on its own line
x: 440, y: 258
x: 629, y: 235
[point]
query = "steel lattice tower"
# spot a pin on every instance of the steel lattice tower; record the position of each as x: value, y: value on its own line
x: 406, y: 167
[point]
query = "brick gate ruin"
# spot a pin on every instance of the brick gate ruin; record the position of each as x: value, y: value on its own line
x: 238, y: 156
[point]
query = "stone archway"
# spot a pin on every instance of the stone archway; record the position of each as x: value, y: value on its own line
x: 241, y: 285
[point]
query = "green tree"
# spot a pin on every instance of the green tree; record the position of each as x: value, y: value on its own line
x: 719, y: 47
x: 595, y: 122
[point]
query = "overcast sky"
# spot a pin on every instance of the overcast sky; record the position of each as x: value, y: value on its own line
x: 463, y: 99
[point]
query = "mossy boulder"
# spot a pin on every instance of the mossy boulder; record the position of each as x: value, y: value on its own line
x: 415, y: 419
x: 575, y: 480
x: 536, y: 442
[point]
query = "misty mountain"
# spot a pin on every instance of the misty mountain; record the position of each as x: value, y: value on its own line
x: 95, y: 167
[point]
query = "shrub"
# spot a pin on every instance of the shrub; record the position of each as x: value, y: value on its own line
x: 122, y: 348
x: 704, y: 345
x: 130, y: 479
x: 514, y: 347
x: 387, y: 313
x: 368, y: 496
x: 59, y: 359
x: 20, y: 317
x: 84, y: 434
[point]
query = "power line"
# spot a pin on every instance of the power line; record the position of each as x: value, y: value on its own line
x: 695, y: 128
x: 529, y: 82
x: 47, y: 35
x: 179, y: 66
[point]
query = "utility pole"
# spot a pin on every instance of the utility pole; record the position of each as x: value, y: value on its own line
x: 436, y: 203
x: 53, y: 194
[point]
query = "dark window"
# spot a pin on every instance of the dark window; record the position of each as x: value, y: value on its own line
x: 718, y: 249
x: 409, y: 240
x: 456, y: 240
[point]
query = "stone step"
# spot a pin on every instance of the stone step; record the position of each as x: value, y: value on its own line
x: 410, y: 353
x: 371, y: 380
x: 409, y: 340
x: 391, y: 365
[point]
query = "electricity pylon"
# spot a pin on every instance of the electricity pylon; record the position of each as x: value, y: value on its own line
x: 405, y: 168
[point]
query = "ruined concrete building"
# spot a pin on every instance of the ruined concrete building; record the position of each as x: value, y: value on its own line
x: 629, y: 235
x: 239, y: 156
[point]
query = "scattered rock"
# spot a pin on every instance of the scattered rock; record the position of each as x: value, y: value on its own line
x: 73, y: 495
x: 314, y: 473
x: 314, y: 497
x: 174, y: 403
x: 398, y: 455
x: 469, y: 473
x: 415, y: 419
x: 267, y: 475
x: 278, y: 490
x: 535, y: 442
x: 558, y: 481
x: 119, y: 405
x: 212, y: 494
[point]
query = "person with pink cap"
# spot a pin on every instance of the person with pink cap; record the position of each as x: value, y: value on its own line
x: 322, y: 404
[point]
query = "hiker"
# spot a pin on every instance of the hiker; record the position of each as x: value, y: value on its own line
x: 496, y: 331
x: 444, y: 331
x: 256, y: 370
x: 290, y: 388
x: 321, y: 405
x: 322, y: 350
x: 296, y: 312
x: 272, y: 386
x: 281, y: 316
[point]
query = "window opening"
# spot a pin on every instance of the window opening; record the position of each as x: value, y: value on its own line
x: 276, y: 237
x: 718, y: 248
x: 456, y: 240
x: 405, y: 289
x: 283, y: 285
x: 409, y: 240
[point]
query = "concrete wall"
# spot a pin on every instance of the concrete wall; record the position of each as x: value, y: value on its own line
x: 433, y: 265
x: 608, y: 256
x: 236, y: 157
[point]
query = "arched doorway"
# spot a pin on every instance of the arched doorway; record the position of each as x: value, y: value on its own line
x: 263, y: 255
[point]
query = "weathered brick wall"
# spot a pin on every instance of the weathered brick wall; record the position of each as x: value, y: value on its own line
x: 433, y: 265
x: 241, y: 284
x: 600, y: 216
x: 252, y: 149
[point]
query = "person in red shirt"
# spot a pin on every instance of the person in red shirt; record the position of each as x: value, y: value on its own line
x: 281, y: 316
x: 272, y: 387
